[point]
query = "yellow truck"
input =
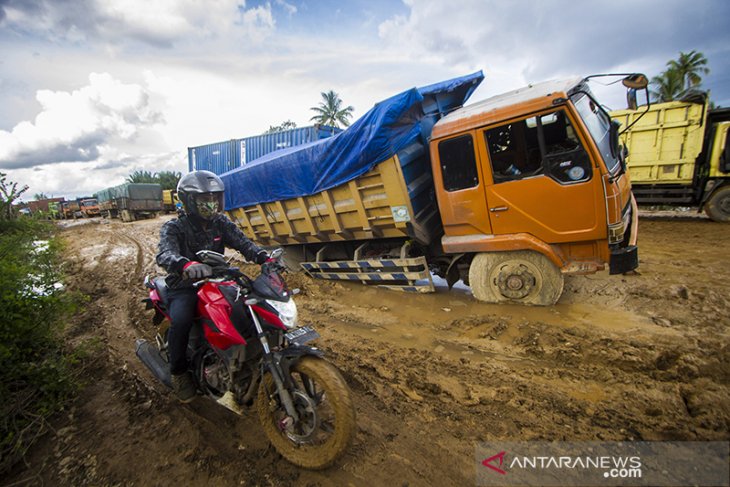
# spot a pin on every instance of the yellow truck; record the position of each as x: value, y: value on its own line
x: 678, y: 155
x: 169, y: 200
x: 508, y: 195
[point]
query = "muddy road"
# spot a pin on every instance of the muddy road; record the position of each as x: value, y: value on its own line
x: 618, y: 358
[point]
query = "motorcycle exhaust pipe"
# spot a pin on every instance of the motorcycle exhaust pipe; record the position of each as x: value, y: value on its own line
x: 149, y: 354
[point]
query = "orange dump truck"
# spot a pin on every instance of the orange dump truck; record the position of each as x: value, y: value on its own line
x: 89, y: 207
x: 509, y: 194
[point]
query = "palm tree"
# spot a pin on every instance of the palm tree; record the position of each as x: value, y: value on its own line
x: 141, y: 177
x: 667, y: 86
x: 330, y: 111
x: 168, y: 179
x: 689, y: 66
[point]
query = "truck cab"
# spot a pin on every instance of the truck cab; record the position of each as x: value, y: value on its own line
x: 532, y: 185
x: 90, y: 207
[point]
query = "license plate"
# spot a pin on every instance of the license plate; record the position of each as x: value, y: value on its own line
x: 302, y: 335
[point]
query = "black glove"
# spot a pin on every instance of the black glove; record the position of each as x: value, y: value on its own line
x: 262, y: 257
x: 195, y: 270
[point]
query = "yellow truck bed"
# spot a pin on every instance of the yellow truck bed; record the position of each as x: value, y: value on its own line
x: 665, y: 143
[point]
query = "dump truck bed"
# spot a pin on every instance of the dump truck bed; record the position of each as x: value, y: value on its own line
x: 665, y: 143
x: 392, y: 200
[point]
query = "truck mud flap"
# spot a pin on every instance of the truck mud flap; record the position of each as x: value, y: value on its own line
x: 409, y: 274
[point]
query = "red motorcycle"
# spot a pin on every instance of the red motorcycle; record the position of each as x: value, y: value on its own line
x: 245, y: 347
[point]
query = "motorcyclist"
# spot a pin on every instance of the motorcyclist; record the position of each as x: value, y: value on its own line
x: 200, y: 226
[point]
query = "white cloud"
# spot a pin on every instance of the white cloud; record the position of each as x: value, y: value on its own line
x: 75, y: 126
x: 258, y: 23
x: 156, y: 22
x: 290, y: 9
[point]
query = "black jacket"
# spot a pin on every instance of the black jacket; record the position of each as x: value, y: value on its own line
x: 181, y: 238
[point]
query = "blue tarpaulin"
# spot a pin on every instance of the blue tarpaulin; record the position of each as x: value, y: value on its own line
x: 388, y: 127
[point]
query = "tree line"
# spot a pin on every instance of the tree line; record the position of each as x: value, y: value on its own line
x: 166, y: 179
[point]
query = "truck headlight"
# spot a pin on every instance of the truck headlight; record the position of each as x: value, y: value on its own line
x: 616, y: 232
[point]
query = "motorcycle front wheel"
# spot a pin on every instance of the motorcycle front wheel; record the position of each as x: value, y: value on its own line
x: 326, y: 424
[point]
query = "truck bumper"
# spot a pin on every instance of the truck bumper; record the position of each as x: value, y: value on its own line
x: 624, y: 259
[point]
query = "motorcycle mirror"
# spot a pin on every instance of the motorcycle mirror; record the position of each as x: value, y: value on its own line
x: 251, y: 301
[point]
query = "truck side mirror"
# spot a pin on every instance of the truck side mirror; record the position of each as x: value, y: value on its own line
x: 725, y: 157
x: 636, y: 81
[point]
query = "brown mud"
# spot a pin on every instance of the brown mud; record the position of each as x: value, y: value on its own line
x: 636, y: 357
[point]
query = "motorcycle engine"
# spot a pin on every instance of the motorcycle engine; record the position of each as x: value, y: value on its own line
x: 216, y: 376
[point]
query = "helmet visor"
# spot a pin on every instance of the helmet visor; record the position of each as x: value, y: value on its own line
x: 208, y: 204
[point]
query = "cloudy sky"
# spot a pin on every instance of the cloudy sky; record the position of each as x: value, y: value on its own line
x: 92, y: 90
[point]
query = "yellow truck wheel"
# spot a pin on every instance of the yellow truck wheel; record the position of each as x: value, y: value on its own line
x: 718, y: 206
x: 522, y: 276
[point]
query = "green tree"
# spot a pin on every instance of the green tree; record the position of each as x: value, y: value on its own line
x: 40, y: 196
x: 141, y: 177
x: 689, y: 66
x: 331, y: 112
x: 168, y: 179
x: 667, y: 86
x: 9, y: 192
x: 288, y: 125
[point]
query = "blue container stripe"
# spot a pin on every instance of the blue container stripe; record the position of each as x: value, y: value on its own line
x: 353, y: 277
x: 389, y: 263
x: 376, y: 277
x: 343, y: 265
x: 400, y: 276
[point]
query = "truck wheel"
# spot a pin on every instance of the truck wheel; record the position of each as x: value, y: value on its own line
x: 718, y: 206
x: 523, y: 277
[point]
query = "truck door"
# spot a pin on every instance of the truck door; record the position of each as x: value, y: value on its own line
x: 540, y: 180
x: 460, y: 187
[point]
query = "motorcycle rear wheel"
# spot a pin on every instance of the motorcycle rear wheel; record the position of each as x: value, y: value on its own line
x: 327, y: 415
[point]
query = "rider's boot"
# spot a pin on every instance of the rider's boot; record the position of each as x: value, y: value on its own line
x: 184, y: 387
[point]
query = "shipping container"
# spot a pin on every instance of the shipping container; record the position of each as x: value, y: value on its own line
x: 220, y: 157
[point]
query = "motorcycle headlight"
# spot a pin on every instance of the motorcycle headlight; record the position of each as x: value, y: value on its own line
x: 287, y: 311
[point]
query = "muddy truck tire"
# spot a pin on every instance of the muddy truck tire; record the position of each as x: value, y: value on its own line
x: 718, y: 206
x: 523, y: 277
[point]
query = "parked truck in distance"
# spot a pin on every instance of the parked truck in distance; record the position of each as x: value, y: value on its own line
x: 89, y: 207
x: 71, y: 210
x: 131, y: 201
x: 169, y: 200
x: 509, y: 194
x: 678, y: 155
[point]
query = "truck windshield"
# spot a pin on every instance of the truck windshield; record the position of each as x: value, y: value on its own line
x: 599, y: 126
